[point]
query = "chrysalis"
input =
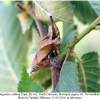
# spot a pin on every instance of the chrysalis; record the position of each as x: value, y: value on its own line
x: 48, y: 44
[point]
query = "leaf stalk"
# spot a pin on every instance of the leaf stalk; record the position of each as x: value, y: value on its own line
x: 82, y: 68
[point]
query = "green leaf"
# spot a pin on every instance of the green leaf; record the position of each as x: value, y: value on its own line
x: 87, y: 11
x: 89, y: 75
x: 41, y: 76
x: 69, y: 31
x: 68, y: 81
x: 13, y: 48
x: 60, y: 10
x: 26, y: 84
x: 95, y: 6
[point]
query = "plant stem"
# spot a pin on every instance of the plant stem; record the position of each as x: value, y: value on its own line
x: 55, y: 76
x: 41, y: 28
x: 67, y: 55
x: 21, y: 7
x: 85, y: 32
x: 39, y: 24
x: 97, y: 27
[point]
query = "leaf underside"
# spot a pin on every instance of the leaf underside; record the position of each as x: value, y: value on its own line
x: 92, y: 73
x: 68, y: 34
x: 87, y: 11
x: 68, y: 81
x: 41, y: 76
x: 13, y: 48
x: 60, y: 10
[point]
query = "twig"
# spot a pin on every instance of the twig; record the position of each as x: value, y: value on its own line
x: 39, y: 24
x: 84, y: 33
x: 21, y: 7
x: 78, y: 38
x: 55, y: 72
